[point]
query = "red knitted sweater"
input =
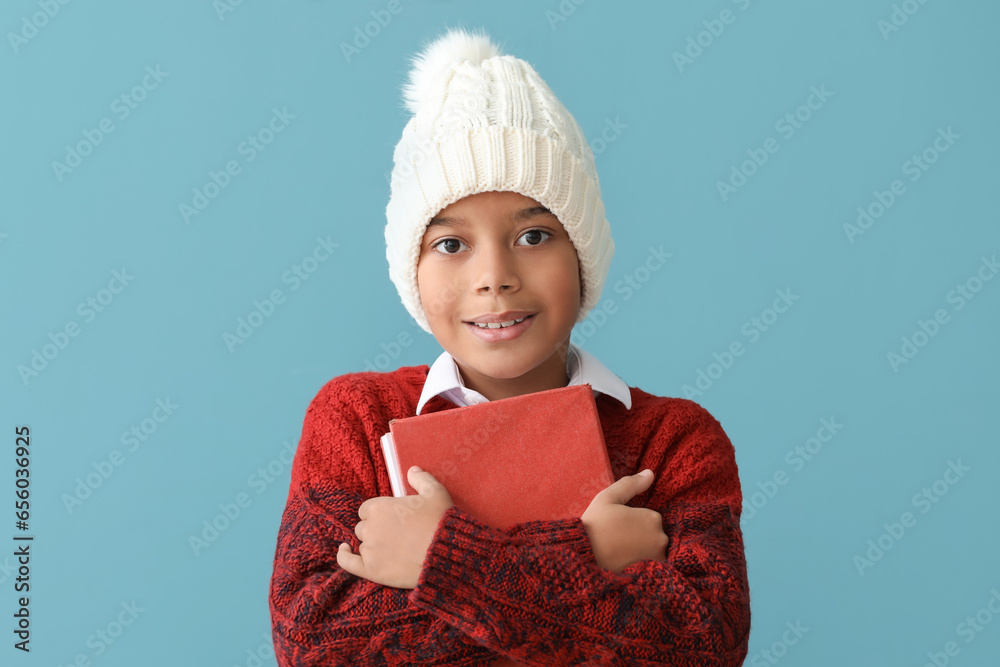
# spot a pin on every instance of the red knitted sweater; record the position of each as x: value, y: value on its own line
x: 532, y: 594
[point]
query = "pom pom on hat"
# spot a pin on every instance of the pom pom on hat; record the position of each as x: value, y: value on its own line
x: 484, y: 121
x: 454, y: 47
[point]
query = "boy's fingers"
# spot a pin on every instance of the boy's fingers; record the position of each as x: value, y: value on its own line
x: 421, y: 480
x: 627, y: 487
x: 348, y: 560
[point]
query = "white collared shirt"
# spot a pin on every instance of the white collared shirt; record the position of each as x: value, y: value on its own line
x: 582, y: 367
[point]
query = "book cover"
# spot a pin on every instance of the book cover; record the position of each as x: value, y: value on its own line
x: 539, y: 456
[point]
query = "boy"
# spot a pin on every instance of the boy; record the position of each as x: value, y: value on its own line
x: 498, y: 245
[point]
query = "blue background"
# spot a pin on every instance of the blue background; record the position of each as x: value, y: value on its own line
x: 683, y: 126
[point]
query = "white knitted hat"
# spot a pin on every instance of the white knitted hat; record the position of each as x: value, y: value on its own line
x: 485, y: 122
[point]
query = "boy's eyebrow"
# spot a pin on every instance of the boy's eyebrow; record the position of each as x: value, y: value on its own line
x: 516, y: 216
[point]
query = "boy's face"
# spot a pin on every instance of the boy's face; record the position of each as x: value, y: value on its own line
x: 490, y: 253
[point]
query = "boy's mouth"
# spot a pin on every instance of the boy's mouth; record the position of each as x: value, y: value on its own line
x: 501, y: 330
x: 500, y: 325
x: 500, y: 320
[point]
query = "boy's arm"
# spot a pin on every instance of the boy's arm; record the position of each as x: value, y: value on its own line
x: 321, y: 614
x: 544, y: 604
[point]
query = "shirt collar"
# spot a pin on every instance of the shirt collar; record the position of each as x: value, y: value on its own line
x: 582, y: 367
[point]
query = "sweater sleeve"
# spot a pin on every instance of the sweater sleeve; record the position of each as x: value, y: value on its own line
x: 544, y: 602
x: 321, y: 614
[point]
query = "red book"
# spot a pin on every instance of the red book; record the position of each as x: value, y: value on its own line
x: 538, y: 456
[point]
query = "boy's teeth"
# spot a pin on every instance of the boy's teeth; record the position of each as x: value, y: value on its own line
x: 498, y: 325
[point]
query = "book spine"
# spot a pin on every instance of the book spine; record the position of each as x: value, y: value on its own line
x: 392, y: 465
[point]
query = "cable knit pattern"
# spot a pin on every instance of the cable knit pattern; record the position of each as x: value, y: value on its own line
x: 531, y: 595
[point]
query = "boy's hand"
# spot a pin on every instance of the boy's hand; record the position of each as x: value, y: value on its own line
x: 621, y: 535
x: 395, y: 533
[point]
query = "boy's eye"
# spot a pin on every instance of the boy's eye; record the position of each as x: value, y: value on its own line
x: 449, y: 244
x: 533, y: 232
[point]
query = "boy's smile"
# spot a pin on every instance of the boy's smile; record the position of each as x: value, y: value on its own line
x: 502, y: 260
x: 493, y: 327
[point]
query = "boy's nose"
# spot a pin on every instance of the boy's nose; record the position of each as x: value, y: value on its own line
x: 497, y: 271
